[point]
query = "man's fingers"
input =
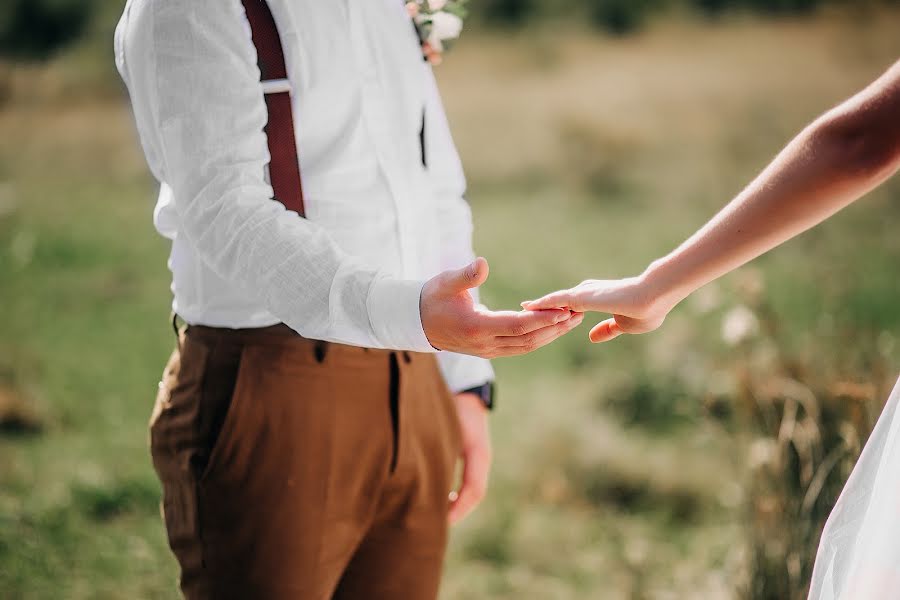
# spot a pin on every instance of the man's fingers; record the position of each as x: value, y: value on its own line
x: 476, y: 469
x: 560, y: 299
x: 523, y: 344
x: 605, y: 331
x: 508, y: 323
x: 543, y: 336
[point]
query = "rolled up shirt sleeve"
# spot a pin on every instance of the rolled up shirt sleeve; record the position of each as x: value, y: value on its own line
x: 191, y: 71
x: 445, y: 170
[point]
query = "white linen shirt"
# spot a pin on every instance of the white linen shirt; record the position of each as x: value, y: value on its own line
x: 378, y: 223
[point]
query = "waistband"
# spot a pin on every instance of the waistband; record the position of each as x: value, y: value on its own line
x: 282, y: 335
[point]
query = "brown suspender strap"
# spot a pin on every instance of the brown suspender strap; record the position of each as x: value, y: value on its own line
x: 284, y: 168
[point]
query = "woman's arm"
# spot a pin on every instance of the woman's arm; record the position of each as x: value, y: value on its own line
x: 844, y: 154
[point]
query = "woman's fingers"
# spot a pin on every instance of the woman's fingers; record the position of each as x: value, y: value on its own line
x: 560, y: 299
x: 605, y: 331
x: 508, y: 323
x: 620, y: 296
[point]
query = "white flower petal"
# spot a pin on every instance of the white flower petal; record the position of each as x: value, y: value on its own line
x: 435, y: 42
x: 739, y: 324
x: 445, y: 26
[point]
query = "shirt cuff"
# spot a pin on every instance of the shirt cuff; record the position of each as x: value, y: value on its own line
x: 394, y: 313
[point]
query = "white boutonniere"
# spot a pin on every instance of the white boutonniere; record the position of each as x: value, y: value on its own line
x: 438, y: 23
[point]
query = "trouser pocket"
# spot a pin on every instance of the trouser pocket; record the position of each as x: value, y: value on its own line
x: 192, y: 405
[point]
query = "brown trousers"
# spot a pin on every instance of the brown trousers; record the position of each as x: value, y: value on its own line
x: 294, y: 469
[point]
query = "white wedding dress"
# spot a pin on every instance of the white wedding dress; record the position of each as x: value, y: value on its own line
x: 859, y: 553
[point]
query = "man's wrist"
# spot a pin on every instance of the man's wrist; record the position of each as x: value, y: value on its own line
x: 422, y: 317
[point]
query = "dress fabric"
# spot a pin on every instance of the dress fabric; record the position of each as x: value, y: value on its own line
x: 859, y: 553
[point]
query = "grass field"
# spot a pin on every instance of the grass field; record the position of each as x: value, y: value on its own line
x: 622, y: 471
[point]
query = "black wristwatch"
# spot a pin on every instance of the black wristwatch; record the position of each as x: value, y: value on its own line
x: 485, y: 392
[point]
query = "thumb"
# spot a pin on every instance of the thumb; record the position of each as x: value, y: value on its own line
x: 605, y: 331
x: 466, y: 278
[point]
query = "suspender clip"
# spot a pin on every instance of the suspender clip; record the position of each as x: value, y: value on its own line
x: 276, y: 86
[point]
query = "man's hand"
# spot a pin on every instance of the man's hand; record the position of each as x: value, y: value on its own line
x: 476, y: 455
x: 634, y: 308
x: 453, y: 322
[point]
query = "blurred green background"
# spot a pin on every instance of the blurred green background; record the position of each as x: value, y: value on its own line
x: 699, y: 462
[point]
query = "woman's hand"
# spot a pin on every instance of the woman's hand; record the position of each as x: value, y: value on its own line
x: 634, y: 307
